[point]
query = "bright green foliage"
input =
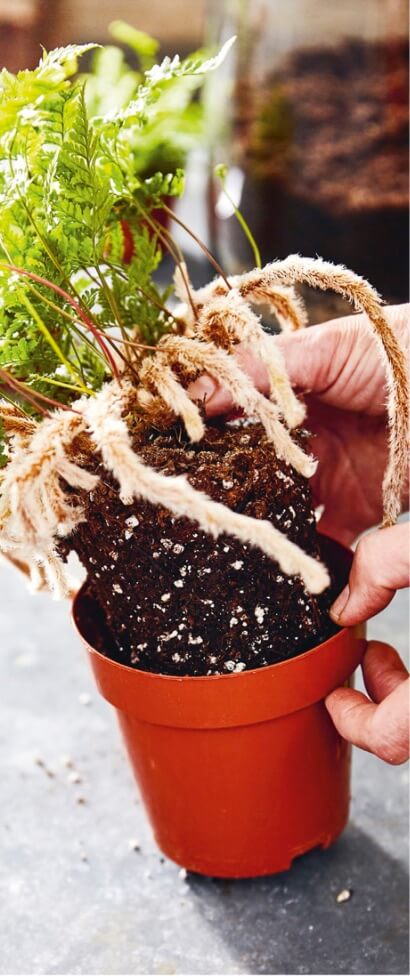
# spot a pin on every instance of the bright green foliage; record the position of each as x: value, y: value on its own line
x: 77, y: 210
x: 173, y: 122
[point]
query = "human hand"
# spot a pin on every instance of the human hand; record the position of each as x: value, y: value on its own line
x: 378, y: 723
x: 337, y: 365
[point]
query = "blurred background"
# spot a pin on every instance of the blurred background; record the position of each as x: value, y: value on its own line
x: 25, y: 24
x: 309, y: 112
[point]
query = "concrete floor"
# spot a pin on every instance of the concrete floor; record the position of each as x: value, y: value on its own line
x: 77, y: 898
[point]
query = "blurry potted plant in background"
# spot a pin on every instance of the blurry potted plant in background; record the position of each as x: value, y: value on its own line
x: 311, y: 116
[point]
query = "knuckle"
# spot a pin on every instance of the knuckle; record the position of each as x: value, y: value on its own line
x: 392, y: 751
x: 368, y: 564
x: 395, y: 756
x: 380, y: 657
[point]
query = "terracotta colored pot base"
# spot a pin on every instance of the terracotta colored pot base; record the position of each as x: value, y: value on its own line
x: 255, y: 798
x: 240, y: 774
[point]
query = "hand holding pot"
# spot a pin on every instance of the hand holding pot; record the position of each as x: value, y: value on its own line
x: 378, y: 723
x: 337, y: 366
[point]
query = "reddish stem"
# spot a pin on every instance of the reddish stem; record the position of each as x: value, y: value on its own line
x: 24, y: 391
x: 80, y: 312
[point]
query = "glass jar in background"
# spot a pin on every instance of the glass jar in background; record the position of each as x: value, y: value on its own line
x: 311, y: 116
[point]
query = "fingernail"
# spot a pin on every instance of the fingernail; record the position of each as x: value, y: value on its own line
x: 203, y: 389
x: 340, y: 604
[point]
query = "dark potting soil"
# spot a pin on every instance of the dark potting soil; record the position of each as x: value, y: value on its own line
x: 179, y: 602
x: 323, y: 143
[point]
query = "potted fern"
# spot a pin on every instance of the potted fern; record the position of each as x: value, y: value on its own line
x: 205, y: 606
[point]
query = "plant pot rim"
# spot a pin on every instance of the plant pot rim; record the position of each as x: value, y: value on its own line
x: 233, y: 699
x: 176, y: 680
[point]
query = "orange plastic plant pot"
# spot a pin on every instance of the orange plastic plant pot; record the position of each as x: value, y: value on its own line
x: 239, y: 773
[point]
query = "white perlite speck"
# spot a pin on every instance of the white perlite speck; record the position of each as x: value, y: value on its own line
x: 237, y: 564
x: 343, y: 896
x: 117, y: 588
x: 178, y: 583
x: 132, y: 521
x: 227, y: 483
x: 194, y: 641
x: 178, y: 548
x: 230, y: 665
x: 165, y: 597
x: 284, y: 478
x: 259, y: 614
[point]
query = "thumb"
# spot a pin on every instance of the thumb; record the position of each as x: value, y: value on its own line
x: 325, y: 361
x: 380, y: 566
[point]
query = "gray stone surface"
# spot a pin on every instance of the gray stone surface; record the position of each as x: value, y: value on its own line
x: 76, y: 898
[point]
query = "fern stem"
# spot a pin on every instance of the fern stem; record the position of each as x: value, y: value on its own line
x: 50, y: 340
x: 134, y: 343
x: 201, y: 245
x: 26, y: 392
x: 173, y: 249
x: 74, y: 320
x: 72, y: 302
x: 22, y: 390
x: 109, y: 295
x: 245, y: 228
x: 70, y: 387
x: 147, y: 296
x: 18, y: 407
